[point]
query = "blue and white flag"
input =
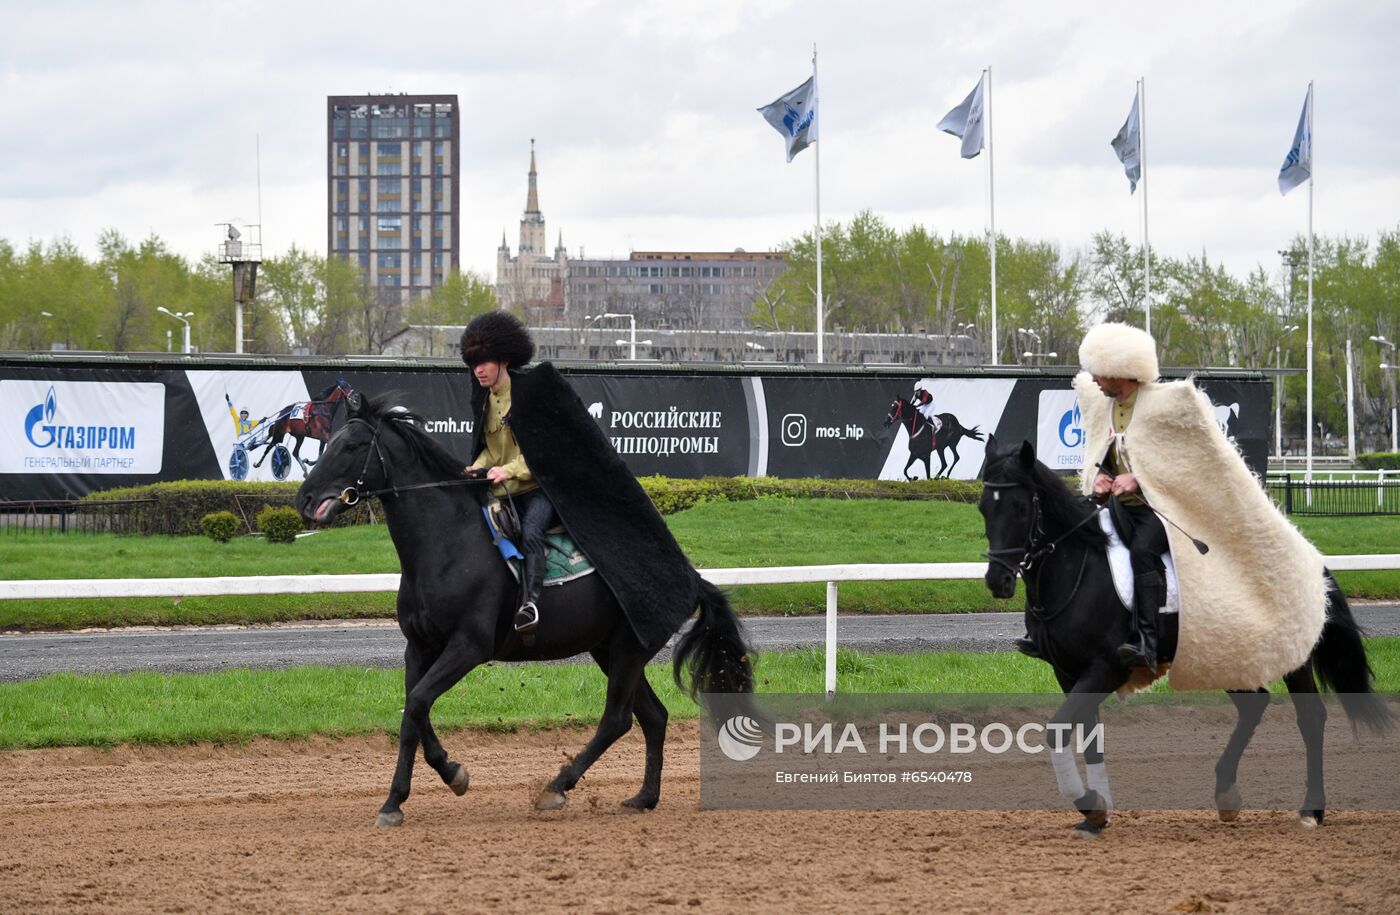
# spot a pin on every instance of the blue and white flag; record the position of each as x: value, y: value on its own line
x: 1297, y: 165
x: 1128, y: 146
x: 794, y: 115
x: 965, y: 121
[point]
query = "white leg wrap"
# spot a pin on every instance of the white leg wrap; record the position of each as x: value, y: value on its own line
x: 1067, y: 774
x: 1097, y: 775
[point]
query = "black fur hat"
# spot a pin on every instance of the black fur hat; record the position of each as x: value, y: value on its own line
x: 497, y: 336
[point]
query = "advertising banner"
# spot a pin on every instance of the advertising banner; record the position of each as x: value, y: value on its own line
x: 67, y: 427
x: 68, y: 430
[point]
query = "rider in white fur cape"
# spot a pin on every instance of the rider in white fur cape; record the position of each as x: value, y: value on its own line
x: 1253, y: 607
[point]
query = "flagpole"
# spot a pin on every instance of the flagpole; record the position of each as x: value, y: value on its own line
x: 1312, y: 170
x: 992, y: 208
x: 1142, y: 164
x: 821, y: 315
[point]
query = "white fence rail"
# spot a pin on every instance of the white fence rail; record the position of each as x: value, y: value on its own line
x: 67, y: 589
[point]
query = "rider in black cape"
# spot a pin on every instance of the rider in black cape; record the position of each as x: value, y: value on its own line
x: 597, y: 498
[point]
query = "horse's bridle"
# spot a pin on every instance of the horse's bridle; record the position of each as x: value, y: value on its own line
x: 1025, y: 555
x: 351, y: 495
x: 897, y: 412
x: 1033, y: 551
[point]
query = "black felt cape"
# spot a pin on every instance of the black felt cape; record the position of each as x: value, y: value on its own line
x: 601, y: 503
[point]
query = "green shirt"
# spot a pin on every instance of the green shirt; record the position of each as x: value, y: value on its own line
x: 1118, y: 455
x: 501, y: 449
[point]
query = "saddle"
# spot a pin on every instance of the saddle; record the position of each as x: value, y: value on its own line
x: 1120, y: 564
x: 566, y: 561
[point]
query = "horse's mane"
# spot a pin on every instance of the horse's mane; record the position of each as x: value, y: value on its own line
x: 1062, y: 506
x: 409, y: 425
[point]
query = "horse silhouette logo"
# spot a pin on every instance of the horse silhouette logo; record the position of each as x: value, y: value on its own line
x: 740, y: 738
x: 1225, y: 415
x: 595, y: 409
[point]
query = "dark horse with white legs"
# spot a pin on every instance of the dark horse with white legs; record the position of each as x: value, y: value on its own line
x: 1039, y: 529
x: 306, y: 420
x: 923, y: 441
x: 456, y: 599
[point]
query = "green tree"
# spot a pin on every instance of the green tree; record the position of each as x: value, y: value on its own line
x: 461, y: 297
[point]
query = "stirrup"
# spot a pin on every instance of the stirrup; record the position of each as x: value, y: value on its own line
x: 527, y: 617
x: 1136, y: 656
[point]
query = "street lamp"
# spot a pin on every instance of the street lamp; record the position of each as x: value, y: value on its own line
x: 1394, y: 438
x: 633, y: 343
x: 181, y: 317
x: 1278, y: 389
x: 631, y: 324
x: 1041, y: 356
x: 1390, y: 368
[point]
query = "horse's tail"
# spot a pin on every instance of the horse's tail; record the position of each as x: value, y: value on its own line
x: 1339, y: 660
x: 974, y: 433
x: 714, y: 649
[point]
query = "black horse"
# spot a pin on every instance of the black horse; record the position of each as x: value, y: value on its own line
x: 923, y: 441
x: 1039, y: 529
x: 456, y: 600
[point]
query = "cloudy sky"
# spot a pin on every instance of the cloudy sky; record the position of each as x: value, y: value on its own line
x: 145, y: 116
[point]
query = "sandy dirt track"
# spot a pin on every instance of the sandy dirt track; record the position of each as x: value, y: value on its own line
x: 278, y: 827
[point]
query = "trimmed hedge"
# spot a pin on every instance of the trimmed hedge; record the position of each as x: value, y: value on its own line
x: 279, y: 525
x: 1380, y: 460
x: 221, y: 527
x: 177, y: 507
x: 672, y: 495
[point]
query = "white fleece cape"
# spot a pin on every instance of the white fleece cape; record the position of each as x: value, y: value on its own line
x: 1254, y: 606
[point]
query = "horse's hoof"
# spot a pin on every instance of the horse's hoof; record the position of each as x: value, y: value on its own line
x: 1310, y: 820
x: 550, y: 800
x: 1086, y: 830
x: 460, y: 782
x: 387, y: 820
x: 1228, y: 804
x: 641, y: 803
x: 1093, y: 807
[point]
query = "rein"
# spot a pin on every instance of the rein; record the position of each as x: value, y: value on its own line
x: 1034, y: 551
x: 351, y: 495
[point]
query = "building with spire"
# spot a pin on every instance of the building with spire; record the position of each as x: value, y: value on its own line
x: 663, y: 289
x: 531, y: 283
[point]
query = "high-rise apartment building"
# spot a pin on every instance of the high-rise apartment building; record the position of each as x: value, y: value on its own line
x: 394, y: 196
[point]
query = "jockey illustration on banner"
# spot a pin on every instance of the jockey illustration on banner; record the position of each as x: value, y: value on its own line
x: 241, y: 422
x: 923, y: 400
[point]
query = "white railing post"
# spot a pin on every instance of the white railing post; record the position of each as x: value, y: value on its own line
x: 830, y: 639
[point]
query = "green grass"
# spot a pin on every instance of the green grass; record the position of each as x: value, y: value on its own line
x: 239, y: 705
x: 767, y: 531
x: 337, y: 550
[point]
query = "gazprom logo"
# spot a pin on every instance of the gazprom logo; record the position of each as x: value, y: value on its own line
x: 42, y: 412
x: 43, y: 432
x: 795, y: 121
x: 1071, y: 428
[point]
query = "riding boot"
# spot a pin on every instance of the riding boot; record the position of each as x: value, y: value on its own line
x: 528, y: 616
x: 1149, y: 594
x: 1027, y: 646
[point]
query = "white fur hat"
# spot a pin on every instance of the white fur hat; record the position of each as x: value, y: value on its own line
x: 1119, y: 351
